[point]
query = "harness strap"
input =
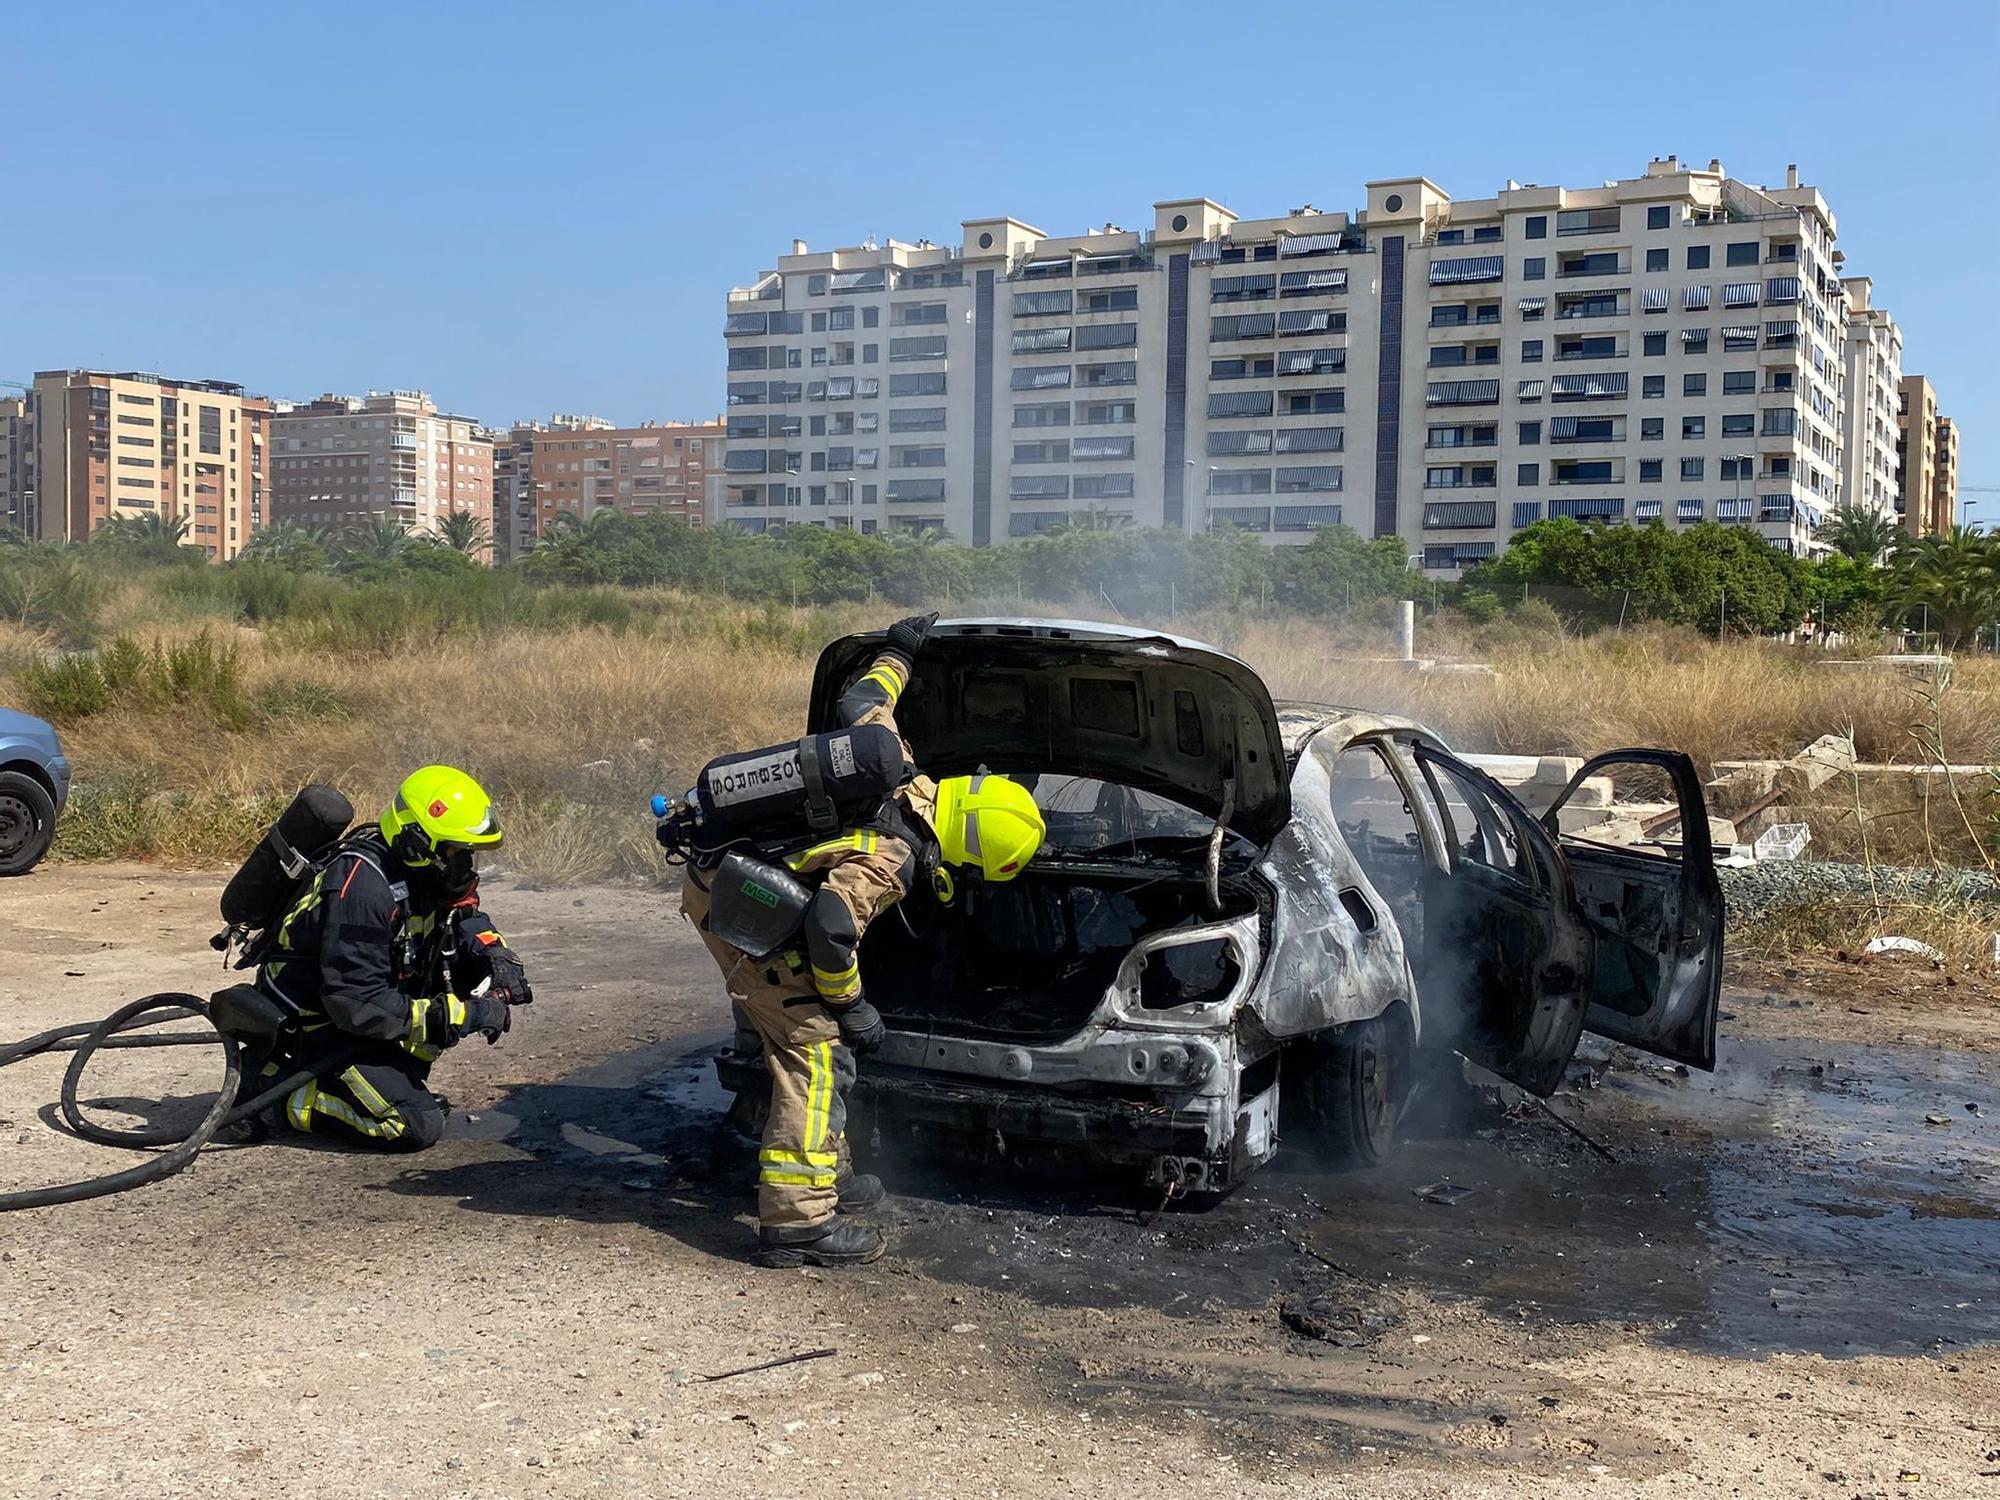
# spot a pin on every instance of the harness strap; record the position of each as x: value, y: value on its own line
x: 820, y: 814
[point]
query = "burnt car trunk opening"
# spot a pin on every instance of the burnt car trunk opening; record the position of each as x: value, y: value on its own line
x: 1030, y: 961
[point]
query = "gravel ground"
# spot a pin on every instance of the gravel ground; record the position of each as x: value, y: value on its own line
x: 528, y: 1310
x: 1762, y: 890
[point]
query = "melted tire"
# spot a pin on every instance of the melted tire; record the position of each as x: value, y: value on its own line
x: 1351, y: 1084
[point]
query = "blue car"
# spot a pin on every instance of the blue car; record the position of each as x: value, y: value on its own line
x: 34, y: 784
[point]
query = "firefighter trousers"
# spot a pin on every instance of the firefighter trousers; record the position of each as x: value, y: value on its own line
x: 380, y: 1101
x: 804, y: 1150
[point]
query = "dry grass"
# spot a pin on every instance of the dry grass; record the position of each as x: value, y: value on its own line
x: 574, y: 729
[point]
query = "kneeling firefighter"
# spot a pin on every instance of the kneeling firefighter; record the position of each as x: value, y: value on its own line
x: 386, y: 944
x: 791, y: 852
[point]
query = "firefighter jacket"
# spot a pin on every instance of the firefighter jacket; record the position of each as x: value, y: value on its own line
x: 366, y: 949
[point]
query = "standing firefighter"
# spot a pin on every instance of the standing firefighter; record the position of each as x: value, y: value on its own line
x: 792, y: 851
x: 387, y: 944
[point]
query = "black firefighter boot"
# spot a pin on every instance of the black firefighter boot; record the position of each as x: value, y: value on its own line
x: 837, y: 1242
x: 859, y: 1192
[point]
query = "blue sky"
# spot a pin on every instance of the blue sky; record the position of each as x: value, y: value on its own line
x: 524, y: 208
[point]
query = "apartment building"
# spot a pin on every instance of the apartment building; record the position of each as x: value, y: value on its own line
x: 1944, y: 474
x: 1667, y: 346
x: 13, y: 459
x: 586, y: 465
x: 1871, y: 478
x: 1916, y: 456
x: 338, y: 460
x: 100, y: 445
x: 515, y: 519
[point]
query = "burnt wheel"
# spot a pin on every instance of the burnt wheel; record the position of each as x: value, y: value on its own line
x: 27, y: 822
x: 1350, y: 1085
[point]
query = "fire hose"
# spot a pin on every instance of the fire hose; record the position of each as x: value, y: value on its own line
x: 121, y: 1029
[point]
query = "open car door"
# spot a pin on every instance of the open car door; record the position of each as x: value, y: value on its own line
x: 1506, y: 955
x: 1655, y: 907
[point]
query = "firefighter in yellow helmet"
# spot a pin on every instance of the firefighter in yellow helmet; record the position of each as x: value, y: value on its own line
x: 807, y: 1003
x: 388, y: 943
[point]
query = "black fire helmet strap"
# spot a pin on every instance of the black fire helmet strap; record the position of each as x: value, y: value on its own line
x: 821, y: 816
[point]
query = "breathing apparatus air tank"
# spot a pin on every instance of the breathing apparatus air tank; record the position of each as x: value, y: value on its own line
x: 817, y: 784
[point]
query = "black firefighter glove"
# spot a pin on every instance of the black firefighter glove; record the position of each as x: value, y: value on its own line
x: 908, y: 636
x: 510, y: 977
x: 451, y: 1019
x: 861, y: 1026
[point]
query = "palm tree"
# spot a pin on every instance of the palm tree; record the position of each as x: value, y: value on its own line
x: 1949, y: 583
x: 380, y: 538
x: 1864, y: 535
x: 290, y: 543
x: 146, y: 529
x: 464, y: 532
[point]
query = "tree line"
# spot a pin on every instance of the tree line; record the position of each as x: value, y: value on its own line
x: 1715, y: 578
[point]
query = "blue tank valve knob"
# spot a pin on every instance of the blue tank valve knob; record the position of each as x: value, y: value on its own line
x: 660, y: 805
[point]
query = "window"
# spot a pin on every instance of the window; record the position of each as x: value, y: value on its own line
x: 1739, y: 382
x: 1534, y: 268
x: 1043, y: 414
x: 1739, y: 424
x: 1652, y: 429
x: 1114, y: 299
x: 838, y: 321
x: 1691, y: 468
x: 1694, y: 427
x: 1306, y: 403
x: 1247, y: 367
x: 1531, y: 350
x: 1649, y: 471
x: 817, y: 426
x: 1697, y: 257
x: 1527, y: 474
x: 871, y: 354
x: 1694, y: 384
x: 819, y: 322
x: 1587, y: 220
x: 1531, y: 434
x: 1039, y: 304
x: 1742, y: 466
x: 1526, y: 513
x: 926, y: 383
x: 1537, y: 226
x: 870, y: 316
x: 1741, y: 253
x: 1656, y: 260
x: 1451, y: 354
x: 1656, y: 343
x: 1657, y: 217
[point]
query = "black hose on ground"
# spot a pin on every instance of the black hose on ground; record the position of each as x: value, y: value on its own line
x: 85, y: 1041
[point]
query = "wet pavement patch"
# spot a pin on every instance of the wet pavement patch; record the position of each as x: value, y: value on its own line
x: 1794, y: 1200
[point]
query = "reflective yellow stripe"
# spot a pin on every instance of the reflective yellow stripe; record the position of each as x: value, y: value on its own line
x: 797, y: 1179
x: 298, y: 1106
x: 835, y: 978
x: 339, y: 1109
x: 894, y: 667
x: 420, y: 1011
x: 887, y: 681
x: 799, y: 1158
x: 819, y: 1094
x: 370, y: 1096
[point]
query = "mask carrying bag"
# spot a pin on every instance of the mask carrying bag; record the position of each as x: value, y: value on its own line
x: 755, y: 906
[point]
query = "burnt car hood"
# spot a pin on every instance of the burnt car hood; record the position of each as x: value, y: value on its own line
x: 1073, y: 697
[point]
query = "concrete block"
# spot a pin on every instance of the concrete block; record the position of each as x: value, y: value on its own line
x: 1828, y: 756
x: 1556, y: 770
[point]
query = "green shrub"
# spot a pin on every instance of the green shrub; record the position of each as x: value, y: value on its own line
x: 64, y: 689
x: 195, y: 674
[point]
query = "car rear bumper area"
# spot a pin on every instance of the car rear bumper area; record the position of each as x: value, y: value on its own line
x: 1198, y: 1147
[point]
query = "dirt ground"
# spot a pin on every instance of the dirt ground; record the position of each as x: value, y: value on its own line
x: 1785, y: 1281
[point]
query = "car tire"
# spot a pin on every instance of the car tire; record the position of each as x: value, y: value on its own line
x: 1351, y: 1084
x: 27, y: 822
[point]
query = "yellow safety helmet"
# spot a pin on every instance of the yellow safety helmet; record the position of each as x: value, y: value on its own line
x: 435, y: 807
x: 989, y: 823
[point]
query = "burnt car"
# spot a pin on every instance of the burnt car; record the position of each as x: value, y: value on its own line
x: 1248, y: 917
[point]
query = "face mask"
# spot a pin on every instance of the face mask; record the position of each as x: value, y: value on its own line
x: 458, y: 870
